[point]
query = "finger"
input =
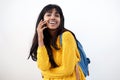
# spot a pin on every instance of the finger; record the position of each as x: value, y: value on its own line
x: 44, y: 28
x: 42, y: 23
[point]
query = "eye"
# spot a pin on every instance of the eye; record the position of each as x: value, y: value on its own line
x: 48, y: 15
x: 57, y: 15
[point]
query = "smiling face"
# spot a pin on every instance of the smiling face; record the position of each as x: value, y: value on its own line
x: 52, y: 17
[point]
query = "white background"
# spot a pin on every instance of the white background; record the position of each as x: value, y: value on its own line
x: 96, y: 23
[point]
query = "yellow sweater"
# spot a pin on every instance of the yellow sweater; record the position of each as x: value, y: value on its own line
x: 66, y: 58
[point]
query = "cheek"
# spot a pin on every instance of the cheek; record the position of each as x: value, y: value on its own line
x: 59, y: 21
x: 45, y: 19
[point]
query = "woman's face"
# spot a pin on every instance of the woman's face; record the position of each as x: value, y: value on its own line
x: 52, y: 18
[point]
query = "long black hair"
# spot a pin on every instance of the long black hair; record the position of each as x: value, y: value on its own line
x: 47, y: 36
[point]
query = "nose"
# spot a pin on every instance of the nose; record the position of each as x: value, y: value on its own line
x: 52, y: 16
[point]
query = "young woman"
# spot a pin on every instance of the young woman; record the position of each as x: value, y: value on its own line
x: 55, y: 60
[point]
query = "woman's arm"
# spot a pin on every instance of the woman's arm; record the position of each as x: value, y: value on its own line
x: 42, y: 56
x: 43, y: 59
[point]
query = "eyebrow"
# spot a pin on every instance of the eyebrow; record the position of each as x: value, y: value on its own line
x: 50, y: 11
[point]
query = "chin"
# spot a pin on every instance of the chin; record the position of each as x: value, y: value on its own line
x: 52, y: 28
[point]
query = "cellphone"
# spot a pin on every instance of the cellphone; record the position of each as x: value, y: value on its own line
x: 44, y: 24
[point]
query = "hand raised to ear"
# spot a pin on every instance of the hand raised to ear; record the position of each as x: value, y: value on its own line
x: 40, y: 29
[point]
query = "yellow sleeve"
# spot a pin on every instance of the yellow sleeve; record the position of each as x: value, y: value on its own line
x: 68, y: 57
x: 43, y: 59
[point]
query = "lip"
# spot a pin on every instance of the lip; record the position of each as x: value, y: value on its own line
x: 52, y: 22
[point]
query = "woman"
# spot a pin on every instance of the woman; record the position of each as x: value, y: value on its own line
x: 55, y: 60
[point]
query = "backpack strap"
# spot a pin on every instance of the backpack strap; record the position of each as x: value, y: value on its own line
x: 61, y: 39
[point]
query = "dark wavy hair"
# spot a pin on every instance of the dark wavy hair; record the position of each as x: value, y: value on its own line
x: 47, y: 36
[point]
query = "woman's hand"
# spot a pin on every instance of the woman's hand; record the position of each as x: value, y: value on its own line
x: 77, y: 72
x: 40, y: 29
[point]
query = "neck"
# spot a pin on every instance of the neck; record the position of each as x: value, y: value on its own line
x: 52, y: 32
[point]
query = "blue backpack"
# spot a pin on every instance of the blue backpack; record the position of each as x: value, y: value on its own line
x: 84, y: 60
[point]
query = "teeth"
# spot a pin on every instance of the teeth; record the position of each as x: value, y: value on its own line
x: 52, y: 22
